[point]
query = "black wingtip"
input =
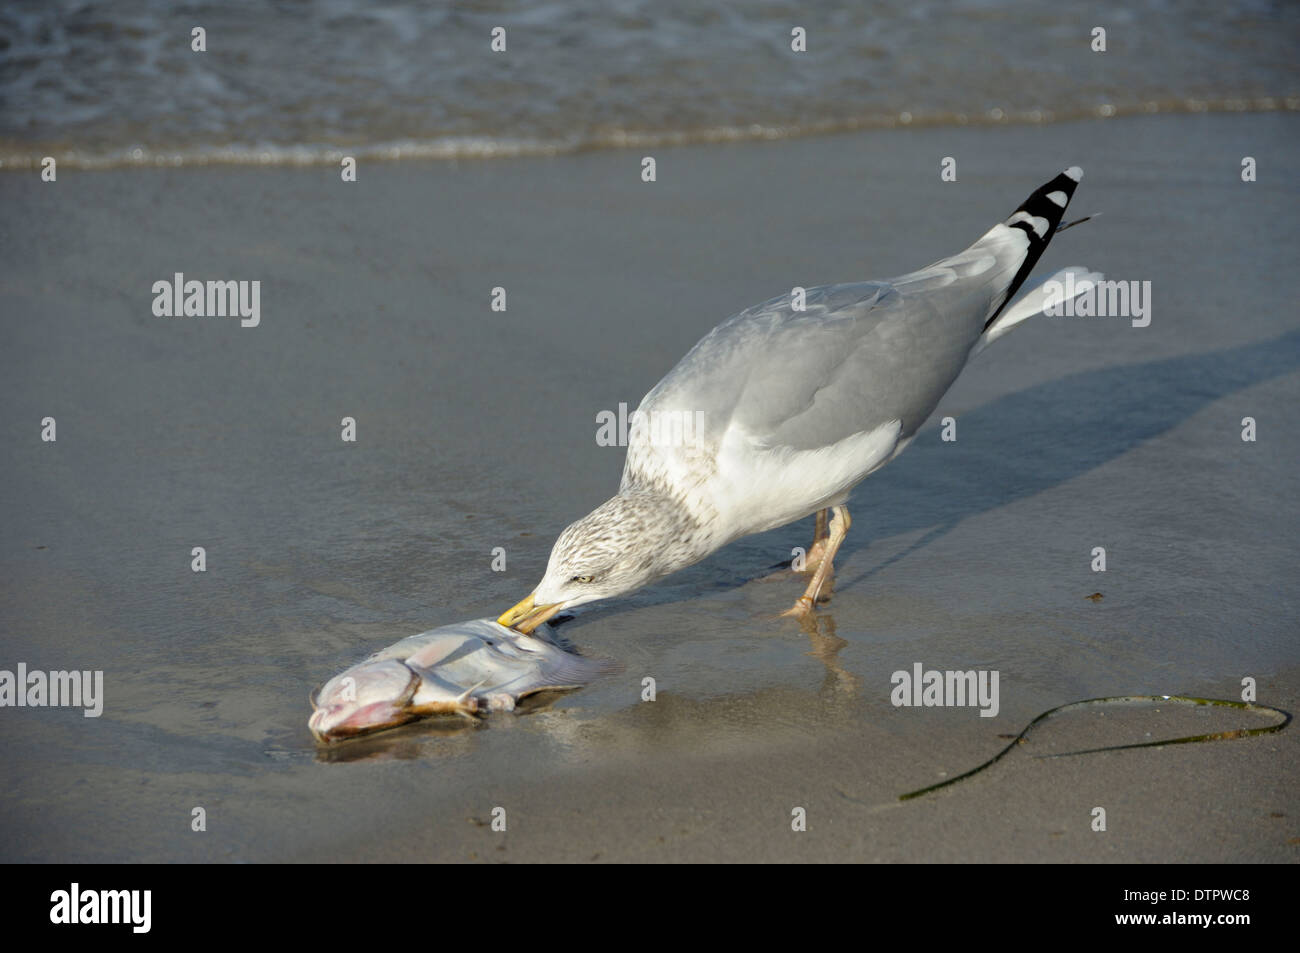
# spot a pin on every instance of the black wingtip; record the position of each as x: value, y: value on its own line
x: 1041, y: 213
x: 1039, y: 216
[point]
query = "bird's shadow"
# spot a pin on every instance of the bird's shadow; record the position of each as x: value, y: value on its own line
x: 1049, y: 434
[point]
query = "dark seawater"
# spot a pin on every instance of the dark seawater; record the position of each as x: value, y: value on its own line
x: 108, y: 83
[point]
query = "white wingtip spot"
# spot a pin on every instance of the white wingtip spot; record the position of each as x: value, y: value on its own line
x: 1038, y: 224
x: 1057, y: 198
x: 1075, y: 173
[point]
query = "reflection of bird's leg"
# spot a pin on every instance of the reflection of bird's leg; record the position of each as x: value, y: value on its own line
x: 825, y: 647
x: 817, y: 551
x: 839, y: 527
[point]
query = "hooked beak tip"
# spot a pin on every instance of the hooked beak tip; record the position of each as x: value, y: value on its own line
x: 527, y: 614
x: 517, y: 612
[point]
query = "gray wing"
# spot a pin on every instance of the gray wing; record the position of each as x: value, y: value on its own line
x: 860, y: 355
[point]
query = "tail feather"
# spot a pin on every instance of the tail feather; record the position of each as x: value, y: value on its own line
x: 1029, y: 229
x: 1051, y: 292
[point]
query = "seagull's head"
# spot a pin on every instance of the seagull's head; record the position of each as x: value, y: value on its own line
x: 623, y: 544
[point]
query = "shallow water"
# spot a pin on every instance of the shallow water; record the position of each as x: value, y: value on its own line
x: 105, y: 83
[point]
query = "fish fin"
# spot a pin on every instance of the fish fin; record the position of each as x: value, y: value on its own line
x: 575, y: 671
x: 460, y: 699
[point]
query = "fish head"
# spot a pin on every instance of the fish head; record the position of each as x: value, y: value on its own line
x: 369, y: 696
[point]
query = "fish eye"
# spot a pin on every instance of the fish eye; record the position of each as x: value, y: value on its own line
x: 584, y: 579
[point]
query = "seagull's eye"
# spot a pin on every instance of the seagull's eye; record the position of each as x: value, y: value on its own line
x: 584, y: 579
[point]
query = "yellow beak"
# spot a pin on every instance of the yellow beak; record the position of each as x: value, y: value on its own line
x: 528, y: 615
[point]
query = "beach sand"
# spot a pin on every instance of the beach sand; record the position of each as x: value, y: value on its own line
x: 476, y: 429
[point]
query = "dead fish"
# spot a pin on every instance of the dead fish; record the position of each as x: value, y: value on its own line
x: 465, y: 669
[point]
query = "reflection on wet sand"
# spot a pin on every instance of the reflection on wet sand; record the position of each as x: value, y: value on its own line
x: 840, y: 684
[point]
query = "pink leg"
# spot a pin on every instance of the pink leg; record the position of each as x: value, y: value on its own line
x: 839, y: 528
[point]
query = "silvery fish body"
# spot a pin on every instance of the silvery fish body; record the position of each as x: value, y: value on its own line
x: 465, y: 668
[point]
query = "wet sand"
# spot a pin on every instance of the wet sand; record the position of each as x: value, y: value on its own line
x: 476, y: 429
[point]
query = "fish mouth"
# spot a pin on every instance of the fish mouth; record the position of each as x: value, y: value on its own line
x: 527, y: 615
x: 327, y: 726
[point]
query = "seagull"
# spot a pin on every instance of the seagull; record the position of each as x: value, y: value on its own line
x: 782, y: 409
